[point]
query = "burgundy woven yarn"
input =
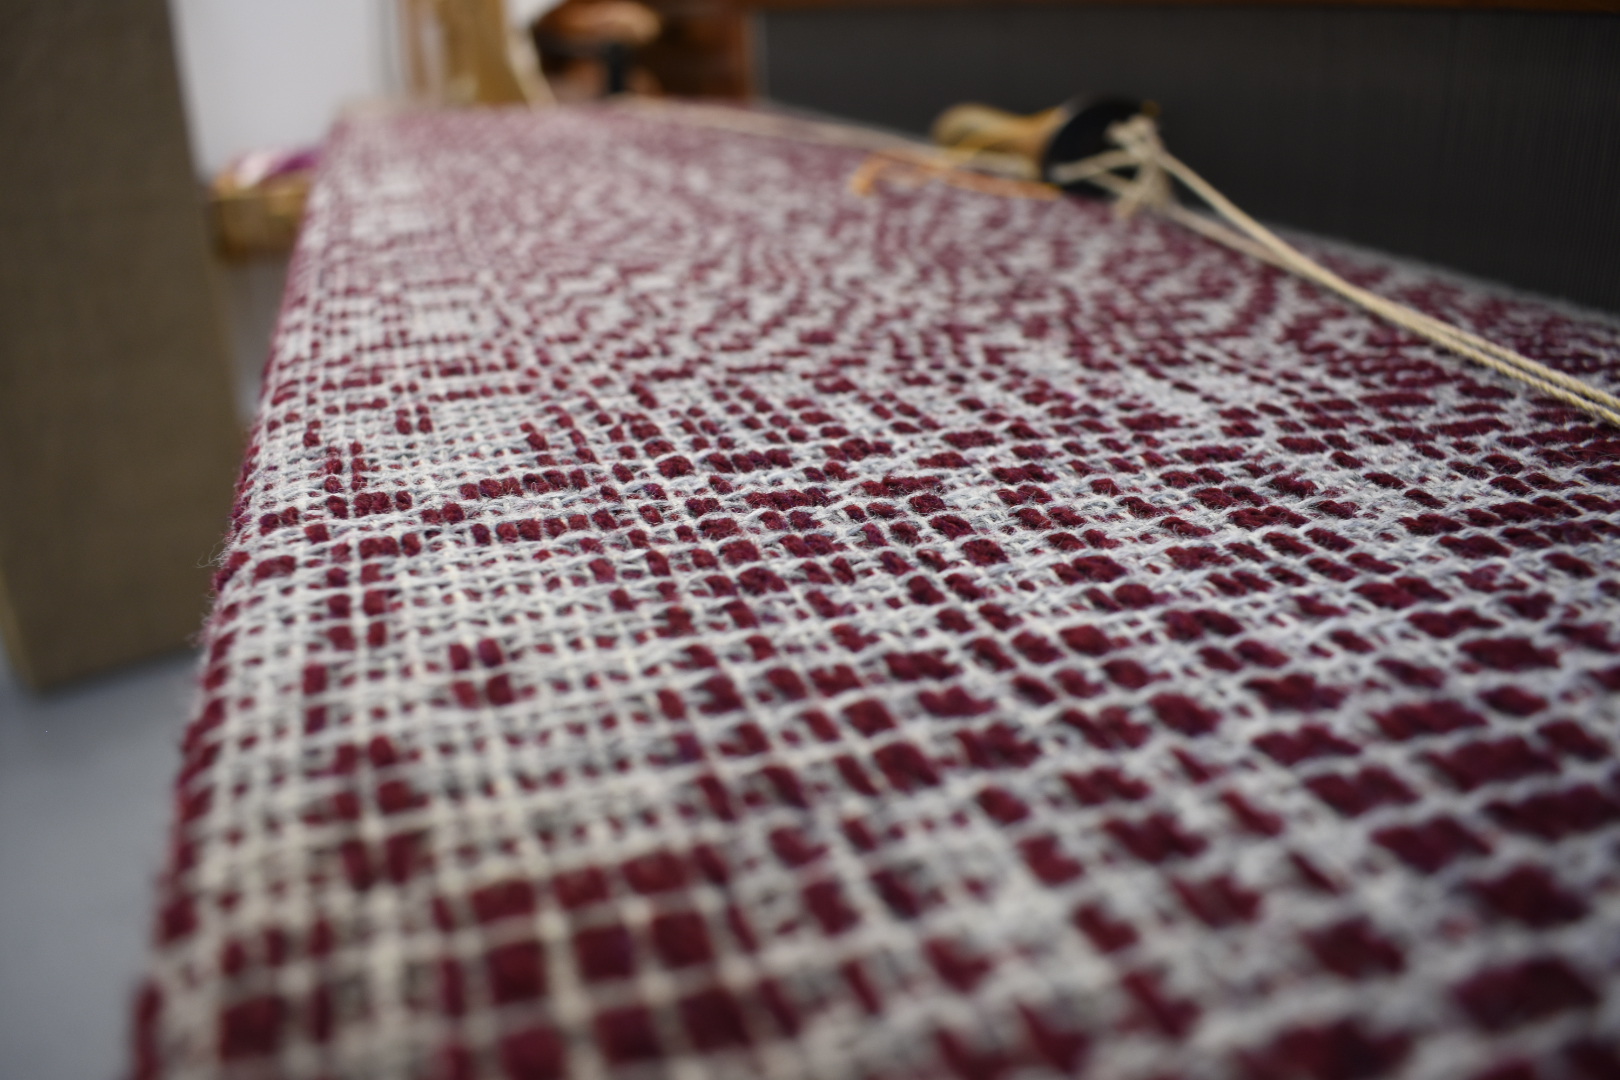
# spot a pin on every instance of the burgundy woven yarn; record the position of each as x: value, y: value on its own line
x: 683, y: 619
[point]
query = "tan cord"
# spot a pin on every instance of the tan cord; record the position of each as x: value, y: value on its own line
x: 905, y: 163
x: 801, y: 129
x: 1150, y: 189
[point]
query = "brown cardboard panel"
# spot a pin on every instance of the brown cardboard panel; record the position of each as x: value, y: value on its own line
x: 117, y: 436
x: 90, y: 91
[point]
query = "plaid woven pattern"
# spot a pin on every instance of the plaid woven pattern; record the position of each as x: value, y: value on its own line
x: 683, y: 619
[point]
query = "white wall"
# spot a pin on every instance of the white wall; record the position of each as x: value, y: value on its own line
x: 268, y: 73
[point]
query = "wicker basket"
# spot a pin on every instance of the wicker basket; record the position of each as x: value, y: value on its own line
x: 259, y: 220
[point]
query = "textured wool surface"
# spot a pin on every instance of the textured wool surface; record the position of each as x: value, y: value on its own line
x: 683, y: 619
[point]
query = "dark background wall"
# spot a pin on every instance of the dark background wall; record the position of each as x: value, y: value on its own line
x: 1488, y: 141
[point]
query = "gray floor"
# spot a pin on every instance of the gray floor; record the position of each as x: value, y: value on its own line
x: 84, y: 804
x: 84, y: 801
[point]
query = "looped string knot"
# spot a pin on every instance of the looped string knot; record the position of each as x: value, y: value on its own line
x: 1139, y: 147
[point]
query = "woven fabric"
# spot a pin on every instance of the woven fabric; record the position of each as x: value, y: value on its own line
x: 681, y: 618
